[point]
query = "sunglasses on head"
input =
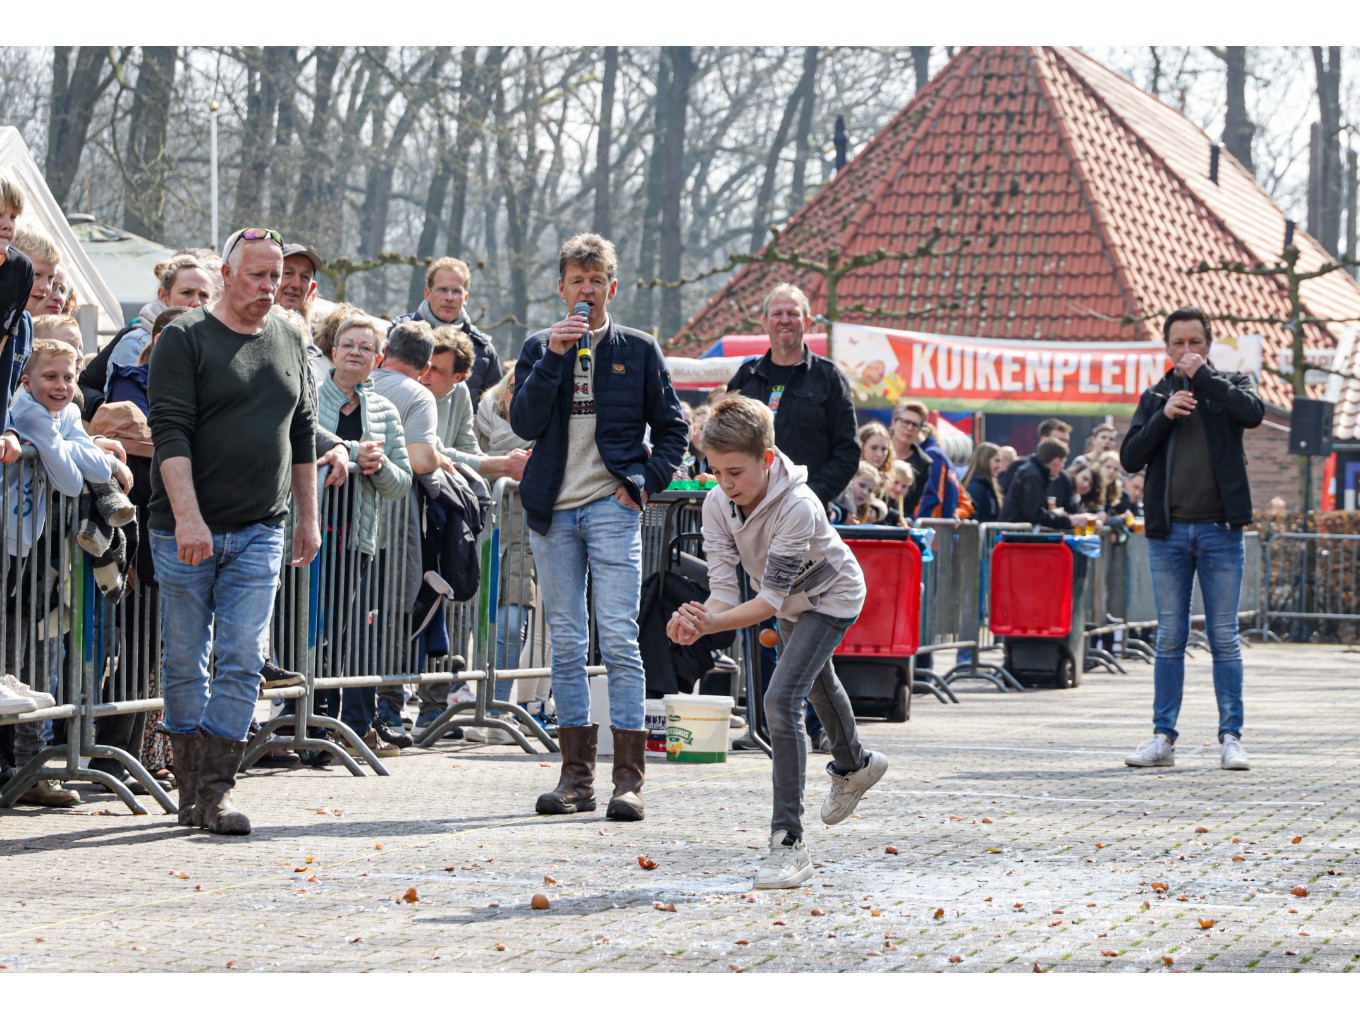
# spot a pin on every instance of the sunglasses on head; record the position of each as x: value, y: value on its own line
x: 253, y: 234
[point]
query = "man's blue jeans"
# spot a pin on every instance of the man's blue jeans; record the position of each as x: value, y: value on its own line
x: 219, y: 609
x: 1214, y: 553
x: 608, y: 536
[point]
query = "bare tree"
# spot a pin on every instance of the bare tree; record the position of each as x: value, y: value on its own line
x: 1327, y: 174
x: 76, y: 89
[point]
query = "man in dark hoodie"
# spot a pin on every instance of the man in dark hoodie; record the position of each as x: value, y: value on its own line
x: 1187, y: 433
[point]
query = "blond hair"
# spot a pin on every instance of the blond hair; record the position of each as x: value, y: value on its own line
x: 455, y: 265
x: 45, y: 325
x: 47, y: 347
x: 739, y: 425
x: 36, y: 243
x: 11, y: 195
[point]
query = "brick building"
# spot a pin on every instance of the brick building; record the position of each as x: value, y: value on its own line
x: 1083, y: 202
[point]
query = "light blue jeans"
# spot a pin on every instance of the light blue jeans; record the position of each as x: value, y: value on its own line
x: 1214, y: 553
x: 607, y: 536
x: 510, y: 619
x: 218, y: 611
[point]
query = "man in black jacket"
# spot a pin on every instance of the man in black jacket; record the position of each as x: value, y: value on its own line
x: 447, y: 283
x: 814, y: 413
x: 586, y: 389
x: 1187, y: 433
x: 1027, y: 500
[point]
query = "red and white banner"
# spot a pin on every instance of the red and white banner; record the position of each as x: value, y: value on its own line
x: 1007, y: 376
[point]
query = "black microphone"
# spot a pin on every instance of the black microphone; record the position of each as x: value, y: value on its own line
x: 583, y: 353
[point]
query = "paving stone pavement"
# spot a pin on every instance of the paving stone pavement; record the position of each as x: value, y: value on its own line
x: 1007, y: 835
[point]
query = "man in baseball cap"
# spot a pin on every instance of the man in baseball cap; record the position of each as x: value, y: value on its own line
x: 297, y: 289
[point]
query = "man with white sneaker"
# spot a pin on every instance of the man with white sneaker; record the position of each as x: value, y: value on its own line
x: 1187, y: 433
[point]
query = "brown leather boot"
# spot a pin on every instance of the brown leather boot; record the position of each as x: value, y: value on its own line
x: 218, y: 760
x: 576, y: 786
x: 630, y: 762
x: 184, y: 747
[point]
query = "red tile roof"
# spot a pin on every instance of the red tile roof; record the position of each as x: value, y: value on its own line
x: 1082, y: 200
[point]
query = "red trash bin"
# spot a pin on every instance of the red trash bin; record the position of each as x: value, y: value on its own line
x: 872, y: 659
x: 1037, y: 585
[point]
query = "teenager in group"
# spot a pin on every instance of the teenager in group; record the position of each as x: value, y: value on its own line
x: 875, y: 444
x: 983, y: 482
x: 764, y: 517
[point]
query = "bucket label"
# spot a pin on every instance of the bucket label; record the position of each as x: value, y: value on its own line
x: 677, y: 738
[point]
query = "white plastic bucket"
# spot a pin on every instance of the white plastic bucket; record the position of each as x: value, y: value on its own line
x: 697, y: 727
x: 655, y: 711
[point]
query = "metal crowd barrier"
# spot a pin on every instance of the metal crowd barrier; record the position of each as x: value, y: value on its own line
x: 54, y: 632
x: 1308, y: 578
x: 345, y: 621
x: 949, y: 602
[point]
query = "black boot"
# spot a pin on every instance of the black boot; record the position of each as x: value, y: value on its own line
x: 184, y: 748
x: 218, y: 761
x: 576, y: 786
x: 630, y: 761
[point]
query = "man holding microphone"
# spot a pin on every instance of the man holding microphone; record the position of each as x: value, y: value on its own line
x: 1187, y: 433
x: 586, y: 391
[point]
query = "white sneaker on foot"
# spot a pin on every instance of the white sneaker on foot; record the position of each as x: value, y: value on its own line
x: 40, y: 698
x: 789, y: 864
x: 846, y: 791
x: 1157, y: 751
x: 1231, y: 755
x: 487, y: 735
x: 11, y: 701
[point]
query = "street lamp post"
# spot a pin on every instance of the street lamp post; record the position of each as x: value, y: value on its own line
x: 212, y: 160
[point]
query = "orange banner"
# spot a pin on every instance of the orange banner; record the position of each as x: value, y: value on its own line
x: 1009, y: 376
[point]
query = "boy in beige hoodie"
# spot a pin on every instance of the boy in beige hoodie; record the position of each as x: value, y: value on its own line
x: 763, y: 516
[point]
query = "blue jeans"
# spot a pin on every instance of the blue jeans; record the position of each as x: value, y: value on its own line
x: 1214, y: 553
x: 510, y: 619
x: 220, y: 608
x: 608, y: 536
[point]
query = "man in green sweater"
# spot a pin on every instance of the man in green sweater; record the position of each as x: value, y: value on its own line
x: 233, y: 425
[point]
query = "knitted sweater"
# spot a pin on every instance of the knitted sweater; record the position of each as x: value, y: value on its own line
x: 392, y: 481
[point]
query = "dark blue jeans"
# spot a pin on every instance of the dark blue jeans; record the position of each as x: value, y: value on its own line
x: 1213, y: 552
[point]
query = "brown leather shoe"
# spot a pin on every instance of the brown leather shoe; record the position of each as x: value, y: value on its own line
x: 184, y: 764
x: 218, y: 761
x: 576, y: 787
x: 630, y: 760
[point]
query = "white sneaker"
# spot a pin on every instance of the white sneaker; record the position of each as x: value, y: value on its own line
x: 487, y: 735
x: 11, y: 701
x: 788, y: 866
x: 846, y: 791
x: 40, y: 698
x: 1231, y: 755
x: 1157, y: 751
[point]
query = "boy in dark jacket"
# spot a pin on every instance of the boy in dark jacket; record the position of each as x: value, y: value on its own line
x: 1187, y: 433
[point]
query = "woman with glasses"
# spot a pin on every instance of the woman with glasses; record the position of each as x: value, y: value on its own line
x: 370, y: 427
x: 908, y: 430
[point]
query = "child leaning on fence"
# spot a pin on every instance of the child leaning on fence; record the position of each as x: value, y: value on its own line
x: 43, y: 415
x: 764, y: 516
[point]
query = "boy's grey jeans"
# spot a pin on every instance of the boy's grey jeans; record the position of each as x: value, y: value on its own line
x: 804, y: 671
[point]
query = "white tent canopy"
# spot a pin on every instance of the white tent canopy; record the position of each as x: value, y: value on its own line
x: 41, y: 207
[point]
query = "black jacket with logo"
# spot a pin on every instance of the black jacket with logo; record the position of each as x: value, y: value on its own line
x: 633, y: 391
x: 815, y: 423
x: 1229, y: 404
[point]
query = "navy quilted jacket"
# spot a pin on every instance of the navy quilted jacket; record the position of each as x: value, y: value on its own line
x: 632, y: 391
